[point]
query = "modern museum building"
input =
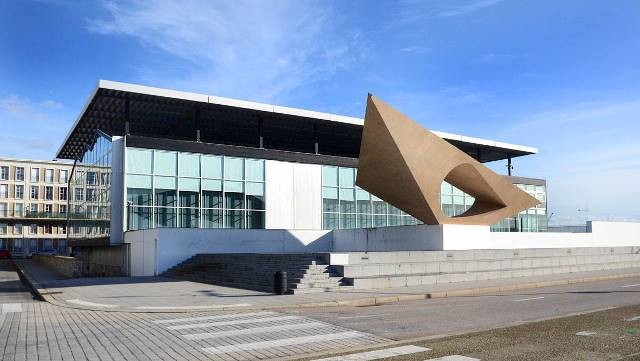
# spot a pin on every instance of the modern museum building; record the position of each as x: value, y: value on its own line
x: 183, y: 169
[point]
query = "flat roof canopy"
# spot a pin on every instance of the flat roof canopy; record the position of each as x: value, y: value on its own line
x: 162, y: 113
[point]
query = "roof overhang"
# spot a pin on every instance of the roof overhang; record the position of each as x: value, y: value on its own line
x: 105, y: 110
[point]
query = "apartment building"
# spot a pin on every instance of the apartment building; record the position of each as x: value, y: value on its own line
x: 33, y: 206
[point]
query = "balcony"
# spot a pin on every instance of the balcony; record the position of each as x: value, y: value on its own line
x: 33, y: 215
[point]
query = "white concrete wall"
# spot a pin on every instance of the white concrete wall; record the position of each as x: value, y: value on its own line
x: 175, y: 245
x: 293, y: 195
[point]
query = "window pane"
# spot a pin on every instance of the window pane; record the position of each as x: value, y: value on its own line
x: 347, y: 177
x: 230, y: 186
x: 165, y: 163
x: 139, y: 218
x: 211, y: 199
x: 364, y: 220
x: 189, y: 164
x: 330, y: 221
x: 166, y: 197
x: 255, y: 169
x: 211, y: 185
x: 138, y: 181
x: 165, y: 217
x: 165, y: 182
x: 139, y: 197
x: 233, y: 168
x: 139, y: 160
x: 189, y: 184
x: 329, y: 200
x: 255, y: 219
x: 330, y: 176
x: 189, y: 217
x: 189, y: 199
x: 347, y: 221
x: 254, y: 189
x: 234, y: 200
x: 255, y: 202
x: 211, y: 166
x: 212, y: 218
x: 234, y: 219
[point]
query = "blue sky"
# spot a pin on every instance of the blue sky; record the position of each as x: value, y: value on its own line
x: 563, y: 76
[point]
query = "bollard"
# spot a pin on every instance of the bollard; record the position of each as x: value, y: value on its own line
x: 280, y: 283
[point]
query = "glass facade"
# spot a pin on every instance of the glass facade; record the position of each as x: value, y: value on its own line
x: 531, y: 220
x: 345, y: 205
x: 191, y: 190
x: 89, y: 217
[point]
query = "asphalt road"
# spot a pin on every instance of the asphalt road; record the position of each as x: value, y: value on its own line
x: 447, y: 316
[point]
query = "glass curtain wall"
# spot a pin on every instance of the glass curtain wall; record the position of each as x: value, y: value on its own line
x: 530, y: 220
x: 345, y: 205
x: 90, y: 208
x: 191, y: 190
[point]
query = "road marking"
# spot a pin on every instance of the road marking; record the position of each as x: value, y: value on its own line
x: 379, y: 354
x: 586, y: 333
x: 454, y: 358
x: 529, y: 299
x: 249, y: 331
x: 281, y: 342
x: 634, y: 285
x: 91, y: 304
x: 211, y: 307
x: 11, y: 307
x: 236, y: 322
x: 364, y: 316
x: 218, y: 317
x: 637, y: 318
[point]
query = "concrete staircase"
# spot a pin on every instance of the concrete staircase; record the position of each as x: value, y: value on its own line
x: 306, y: 273
x: 400, y: 269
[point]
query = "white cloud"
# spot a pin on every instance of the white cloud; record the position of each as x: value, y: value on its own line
x: 24, y: 108
x: 251, y: 49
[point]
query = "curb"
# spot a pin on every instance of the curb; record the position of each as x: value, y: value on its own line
x: 41, y: 294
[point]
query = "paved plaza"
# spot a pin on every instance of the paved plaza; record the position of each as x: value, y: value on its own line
x: 409, y: 330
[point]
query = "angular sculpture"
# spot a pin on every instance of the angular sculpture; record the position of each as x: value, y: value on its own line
x: 404, y: 164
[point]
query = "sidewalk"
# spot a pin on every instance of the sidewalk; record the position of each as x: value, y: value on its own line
x: 160, y: 294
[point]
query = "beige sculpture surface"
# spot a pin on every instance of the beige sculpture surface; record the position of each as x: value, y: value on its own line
x: 404, y: 164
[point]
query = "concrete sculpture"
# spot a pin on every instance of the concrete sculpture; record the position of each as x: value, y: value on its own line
x: 404, y: 164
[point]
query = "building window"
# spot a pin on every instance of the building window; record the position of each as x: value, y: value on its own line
x: 454, y: 201
x: 79, y: 194
x: 4, y: 191
x: 194, y: 190
x: 20, y: 174
x: 62, y: 209
x: 17, y: 245
x: 18, y: 209
x: 33, y: 208
x: 48, y: 175
x: 19, y: 191
x: 33, y: 228
x: 91, y: 194
x: 17, y: 228
x: 62, y: 192
x: 4, y: 172
x: 48, y: 193
x: 35, y: 174
x: 3, y: 228
x: 64, y: 176
x: 48, y: 209
x: 4, y: 208
x: 35, y: 192
x: 48, y: 229
x: 345, y: 205
x: 91, y: 178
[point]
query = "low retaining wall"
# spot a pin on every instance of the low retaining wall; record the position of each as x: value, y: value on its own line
x: 67, y: 266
